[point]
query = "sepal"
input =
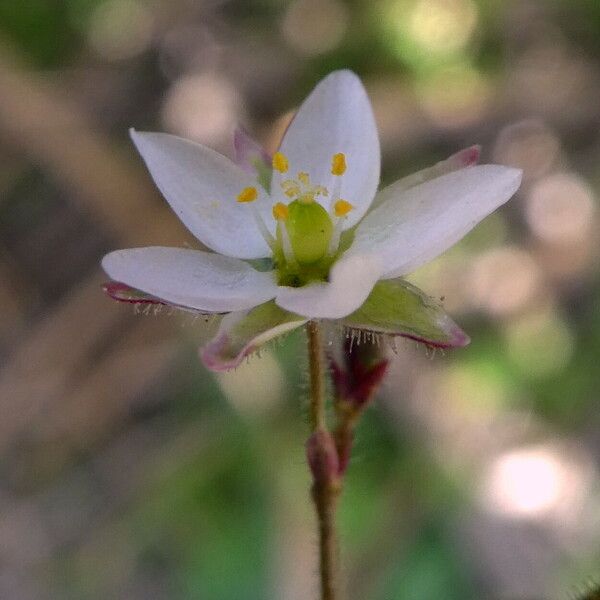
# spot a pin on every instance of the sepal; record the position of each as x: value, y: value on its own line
x: 395, y: 307
x: 242, y: 333
x: 121, y: 292
x: 358, y: 372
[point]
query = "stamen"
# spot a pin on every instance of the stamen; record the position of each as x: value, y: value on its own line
x: 248, y: 194
x: 338, y: 164
x: 286, y: 243
x: 342, y: 207
x: 334, y: 242
x: 280, y: 162
x: 338, y: 168
x: 321, y: 190
x: 280, y: 211
x: 264, y: 231
x: 336, y: 191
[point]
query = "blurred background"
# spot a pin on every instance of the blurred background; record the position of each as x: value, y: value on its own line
x: 128, y: 471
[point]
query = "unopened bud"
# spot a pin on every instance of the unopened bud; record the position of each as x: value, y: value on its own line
x: 360, y: 372
x: 322, y: 457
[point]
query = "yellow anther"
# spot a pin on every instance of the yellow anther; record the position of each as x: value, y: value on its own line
x: 338, y: 164
x: 280, y: 162
x: 342, y: 207
x: 248, y: 194
x: 304, y: 178
x: 280, y: 211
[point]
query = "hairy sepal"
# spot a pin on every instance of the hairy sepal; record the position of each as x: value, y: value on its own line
x: 243, y: 333
x: 395, y: 307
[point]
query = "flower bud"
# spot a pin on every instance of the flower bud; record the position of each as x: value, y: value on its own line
x: 322, y: 457
x: 357, y: 376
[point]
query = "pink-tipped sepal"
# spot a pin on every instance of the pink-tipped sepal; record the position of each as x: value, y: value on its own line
x: 123, y: 293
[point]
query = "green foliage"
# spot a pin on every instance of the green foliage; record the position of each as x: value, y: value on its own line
x: 40, y: 28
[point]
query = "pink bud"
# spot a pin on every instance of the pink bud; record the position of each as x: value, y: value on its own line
x: 357, y: 378
x: 467, y: 157
x: 322, y: 457
x: 248, y: 151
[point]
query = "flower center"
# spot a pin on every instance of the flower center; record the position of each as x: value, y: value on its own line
x: 307, y: 235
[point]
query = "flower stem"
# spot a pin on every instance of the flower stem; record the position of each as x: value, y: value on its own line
x: 325, y: 502
x: 326, y: 485
x: 317, y: 384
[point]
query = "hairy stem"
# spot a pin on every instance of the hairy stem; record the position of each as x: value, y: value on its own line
x: 317, y: 383
x: 326, y: 487
x: 325, y: 503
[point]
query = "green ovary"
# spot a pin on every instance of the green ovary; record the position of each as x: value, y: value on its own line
x: 309, y: 228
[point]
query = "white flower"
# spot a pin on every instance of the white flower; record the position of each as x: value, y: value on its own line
x: 334, y: 248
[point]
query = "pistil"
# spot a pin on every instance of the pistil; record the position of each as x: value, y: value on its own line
x: 308, y: 235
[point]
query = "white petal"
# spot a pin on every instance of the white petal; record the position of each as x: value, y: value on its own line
x: 336, y: 117
x: 191, y: 278
x: 202, y: 186
x: 468, y: 157
x: 408, y: 231
x: 350, y: 282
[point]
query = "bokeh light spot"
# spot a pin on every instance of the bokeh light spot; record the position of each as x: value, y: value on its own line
x: 120, y: 29
x: 529, y: 145
x: 540, y: 344
x: 535, y: 482
x: 560, y: 209
x: 315, y: 26
x: 201, y: 107
x: 455, y: 96
x: 255, y: 386
x: 504, y: 280
x: 442, y: 26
